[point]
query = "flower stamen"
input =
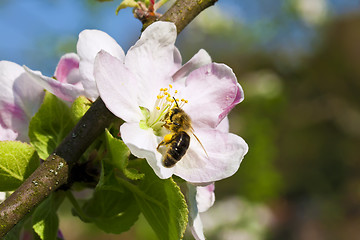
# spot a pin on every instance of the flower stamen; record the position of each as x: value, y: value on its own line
x: 165, y: 100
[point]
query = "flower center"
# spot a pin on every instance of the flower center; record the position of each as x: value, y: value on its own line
x: 165, y: 101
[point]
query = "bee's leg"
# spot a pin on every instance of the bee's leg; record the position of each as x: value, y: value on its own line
x: 161, y: 143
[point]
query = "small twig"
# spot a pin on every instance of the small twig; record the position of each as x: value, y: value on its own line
x: 76, y: 206
x: 54, y: 172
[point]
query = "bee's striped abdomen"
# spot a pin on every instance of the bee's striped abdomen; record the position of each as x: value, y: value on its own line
x: 177, y: 149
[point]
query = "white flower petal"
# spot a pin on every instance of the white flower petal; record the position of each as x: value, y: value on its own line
x: 65, y: 91
x: 212, y: 88
x: 117, y: 87
x: 2, y: 196
x: 225, y: 153
x: 200, y: 59
x: 89, y: 44
x: 154, y: 59
x: 9, y: 72
x: 177, y: 58
x: 195, y: 223
x: 20, y: 98
x: 142, y: 143
x: 223, y: 125
x: 7, y: 134
x: 205, y: 197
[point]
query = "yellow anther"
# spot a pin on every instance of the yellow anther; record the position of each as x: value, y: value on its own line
x: 165, y: 89
x: 171, y: 100
x: 183, y: 100
x: 170, y: 86
x: 158, y: 96
x: 177, y: 100
x: 176, y: 91
x: 161, y: 89
x: 186, y: 101
x: 157, y: 108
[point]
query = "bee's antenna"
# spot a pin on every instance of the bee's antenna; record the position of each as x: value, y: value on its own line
x: 176, y: 102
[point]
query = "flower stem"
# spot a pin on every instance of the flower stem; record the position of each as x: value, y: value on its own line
x: 76, y: 206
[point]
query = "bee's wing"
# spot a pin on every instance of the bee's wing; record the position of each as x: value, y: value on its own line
x: 192, y: 132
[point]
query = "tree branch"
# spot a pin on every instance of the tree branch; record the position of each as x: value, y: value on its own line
x: 54, y: 172
x: 184, y: 11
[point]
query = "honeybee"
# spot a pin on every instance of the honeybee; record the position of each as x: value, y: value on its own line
x: 178, y: 140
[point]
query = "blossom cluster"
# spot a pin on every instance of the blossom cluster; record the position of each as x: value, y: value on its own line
x: 141, y: 88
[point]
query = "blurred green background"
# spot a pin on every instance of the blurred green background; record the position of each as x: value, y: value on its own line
x: 298, y: 62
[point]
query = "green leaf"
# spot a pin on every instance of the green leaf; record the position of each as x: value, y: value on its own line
x: 108, y: 181
x: 112, y: 208
x: 17, y: 161
x: 112, y: 211
x: 79, y: 107
x: 50, y: 125
x: 127, y: 3
x: 162, y: 203
x: 45, y: 220
x: 118, y: 155
x: 121, y: 222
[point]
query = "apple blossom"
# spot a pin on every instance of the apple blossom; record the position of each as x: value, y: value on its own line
x: 140, y: 88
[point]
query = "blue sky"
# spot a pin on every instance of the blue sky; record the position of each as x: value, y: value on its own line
x: 31, y: 30
x: 29, y: 27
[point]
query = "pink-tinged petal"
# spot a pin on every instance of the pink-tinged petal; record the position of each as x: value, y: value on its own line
x: 67, y: 70
x: 177, y: 58
x: 142, y: 143
x: 205, y: 197
x: 200, y: 59
x: 13, y: 117
x: 195, y: 223
x: 9, y: 72
x: 13, y: 111
x: 117, y: 87
x: 225, y: 153
x: 20, y: 98
x: 29, y: 95
x: 7, y: 134
x: 213, y: 89
x: 152, y: 58
x: 89, y: 44
x: 65, y: 91
x: 223, y: 125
